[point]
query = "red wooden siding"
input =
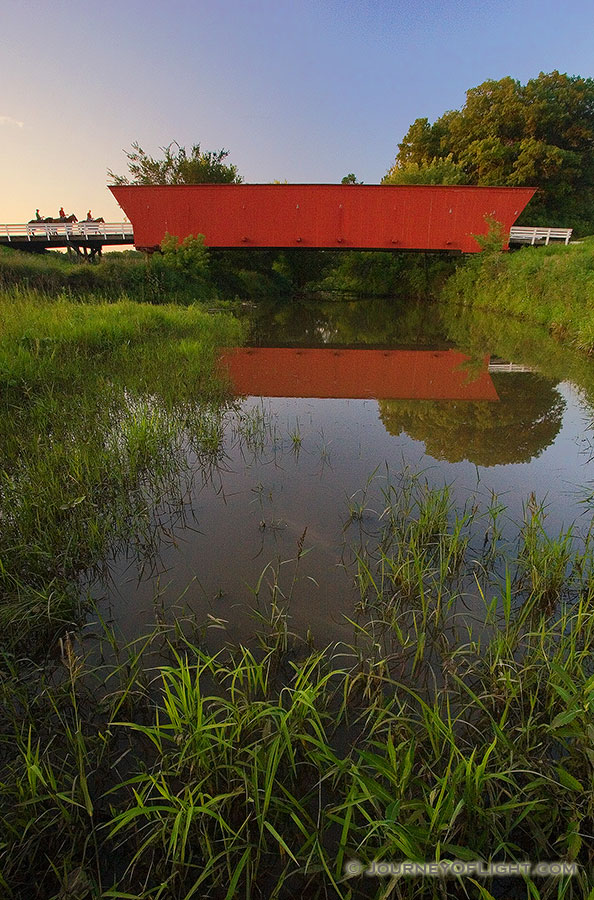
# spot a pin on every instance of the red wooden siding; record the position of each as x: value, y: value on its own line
x: 394, y: 217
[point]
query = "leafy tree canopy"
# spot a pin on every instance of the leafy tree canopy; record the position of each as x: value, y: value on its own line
x: 539, y: 134
x: 439, y: 170
x: 351, y: 178
x: 177, y: 166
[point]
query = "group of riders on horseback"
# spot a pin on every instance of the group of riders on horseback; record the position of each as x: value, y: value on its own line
x: 62, y: 217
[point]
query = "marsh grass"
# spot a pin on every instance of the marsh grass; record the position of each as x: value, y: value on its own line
x: 99, y: 404
x: 457, y: 725
x: 296, y: 439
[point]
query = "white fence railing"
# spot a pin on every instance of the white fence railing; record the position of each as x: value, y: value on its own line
x: 509, y: 367
x: 66, y: 230
x: 520, y: 235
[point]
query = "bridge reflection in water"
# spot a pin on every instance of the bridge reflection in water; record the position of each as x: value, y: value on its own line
x: 358, y: 373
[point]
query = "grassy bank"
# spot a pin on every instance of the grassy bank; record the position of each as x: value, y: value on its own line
x: 217, y: 275
x: 551, y: 286
x: 97, y: 403
x: 156, y: 279
x: 456, y: 726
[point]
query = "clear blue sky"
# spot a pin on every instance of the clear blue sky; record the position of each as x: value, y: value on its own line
x: 307, y: 90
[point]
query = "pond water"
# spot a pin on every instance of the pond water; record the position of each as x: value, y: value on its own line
x: 337, y: 401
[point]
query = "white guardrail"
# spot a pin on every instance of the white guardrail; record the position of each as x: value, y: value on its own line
x: 60, y: 230
x: 528, y: 235
x: 509, y: 367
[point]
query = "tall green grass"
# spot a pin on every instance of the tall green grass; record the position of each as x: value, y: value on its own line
x: 550, y: 286
x: 99, y: 403
x: 457, y: 726
x: 226, y: 274
x: 114, y: 275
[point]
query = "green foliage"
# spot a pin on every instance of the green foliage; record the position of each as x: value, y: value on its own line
x: 539, y: 134
x: 366, y: 273
x: 154, y: 279
x: 185, y: 274
x: 495, y: 239
x: 551, y: 286
x: 439, y: 170
x: 177, y: 166
x: 351, y: 178
x: 383, y: 274
x: 164, y: 768
x: 190, y: 255
x: 94, y: 399
x: 253, y: 274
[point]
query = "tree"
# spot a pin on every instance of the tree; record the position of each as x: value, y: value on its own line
x: 439, y: 170
x: 351, y: 178
x: 177, y: 167
x: 539, y: 134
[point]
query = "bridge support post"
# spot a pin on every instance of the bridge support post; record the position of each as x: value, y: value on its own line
x: 86, y: 252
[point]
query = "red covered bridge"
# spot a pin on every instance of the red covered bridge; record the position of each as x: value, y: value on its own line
x: 354, y: 217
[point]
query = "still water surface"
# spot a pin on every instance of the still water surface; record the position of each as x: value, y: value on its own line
x: 335, y: 402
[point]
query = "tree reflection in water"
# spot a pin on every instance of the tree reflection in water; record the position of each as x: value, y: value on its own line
x: 517, y: 429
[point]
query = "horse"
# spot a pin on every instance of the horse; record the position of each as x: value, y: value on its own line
x: 50, y: 221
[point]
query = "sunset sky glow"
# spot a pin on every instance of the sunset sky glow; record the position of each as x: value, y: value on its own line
x: 307, y: 90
